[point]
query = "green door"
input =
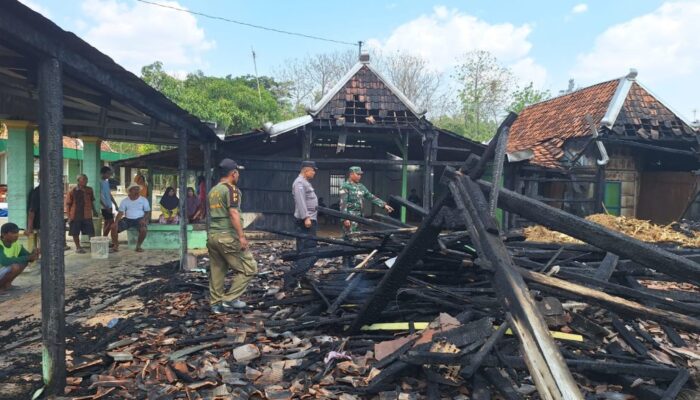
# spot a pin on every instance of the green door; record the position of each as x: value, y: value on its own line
x: 613, y: 197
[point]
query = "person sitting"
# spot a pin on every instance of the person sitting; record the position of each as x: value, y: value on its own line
x: 134, y: 213
x: 194, y: 207
x: 169, y: 207
x: 14, y: 258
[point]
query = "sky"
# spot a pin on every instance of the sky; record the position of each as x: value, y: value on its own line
x: 544, y: 42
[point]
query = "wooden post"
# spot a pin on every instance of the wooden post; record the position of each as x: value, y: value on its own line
x: 149, y: 184
x: 599, y: 189
x: 53, y: 316
x: 427, y: 169
x: 404, y: 174
x: 207, y: 180
x: 182, y: 169
x: 307, y: 137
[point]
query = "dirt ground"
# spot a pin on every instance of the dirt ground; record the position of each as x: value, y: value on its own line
x: 89, y: 283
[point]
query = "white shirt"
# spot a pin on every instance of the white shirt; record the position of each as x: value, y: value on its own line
x: 134, y: 209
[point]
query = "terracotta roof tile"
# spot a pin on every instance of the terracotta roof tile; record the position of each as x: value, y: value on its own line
x: 544, y: 127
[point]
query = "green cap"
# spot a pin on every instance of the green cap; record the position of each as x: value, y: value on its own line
x: 355, y: 169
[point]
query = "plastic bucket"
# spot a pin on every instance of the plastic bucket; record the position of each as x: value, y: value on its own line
x: 99, y: 247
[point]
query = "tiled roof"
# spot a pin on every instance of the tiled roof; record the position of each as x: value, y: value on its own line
x: 644, y: 115
x: 545, y: 126
x: 365, y: 98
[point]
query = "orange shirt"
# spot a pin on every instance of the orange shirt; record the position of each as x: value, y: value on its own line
x: 79, y: 203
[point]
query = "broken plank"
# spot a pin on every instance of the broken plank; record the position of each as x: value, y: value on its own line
x: 617, y: 303
x: 606, y: 267
x: 628, y: 337
x: 189, y: 350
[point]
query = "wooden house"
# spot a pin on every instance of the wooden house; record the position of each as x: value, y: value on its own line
x: 612, y: 147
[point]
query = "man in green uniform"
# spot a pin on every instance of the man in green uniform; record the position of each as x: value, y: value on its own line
x: 227, y: 244
x: 352, y: 194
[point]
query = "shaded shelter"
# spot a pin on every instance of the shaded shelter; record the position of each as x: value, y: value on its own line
x: 52, y: 80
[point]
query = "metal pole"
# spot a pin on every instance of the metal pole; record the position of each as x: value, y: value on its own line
x: 207, y: 178
x: 182, y: 169
x: 53, y: 315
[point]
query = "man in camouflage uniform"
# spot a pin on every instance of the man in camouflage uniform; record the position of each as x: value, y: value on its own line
x: 226, y: 242
x: 352, y: 195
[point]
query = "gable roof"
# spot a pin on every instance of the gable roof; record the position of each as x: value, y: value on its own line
x: 618, y: 107
x: 362, y: 92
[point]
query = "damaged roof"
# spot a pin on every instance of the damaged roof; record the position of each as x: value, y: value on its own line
x: 620, y: 108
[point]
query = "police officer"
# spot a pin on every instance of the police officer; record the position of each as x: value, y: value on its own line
x: 226, y: 242
x: 352, y: 194
x: 305, y: 219
x: 305, y: 204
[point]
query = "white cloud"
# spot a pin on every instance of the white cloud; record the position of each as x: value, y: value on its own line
x: 37, y: 7
x: 579, y: 8
x: 662, y: 45
x: 138, y: 34
x: 446, y: 34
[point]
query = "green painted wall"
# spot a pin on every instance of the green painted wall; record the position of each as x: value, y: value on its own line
x: 20, y: 177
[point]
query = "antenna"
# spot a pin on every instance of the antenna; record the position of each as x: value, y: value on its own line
x: 255, y: 66
x: 359, y: 47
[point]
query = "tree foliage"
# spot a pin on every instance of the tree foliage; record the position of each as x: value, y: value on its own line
x: 523, y: 97
x: 234, y: 103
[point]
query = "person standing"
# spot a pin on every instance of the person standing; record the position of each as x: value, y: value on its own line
x: 352, y: 195
x: 134, y: 213
x: 227, y: 243
x: 80, y: 206
x: 194, y: 207
x: 107, y: 200
x: 305, y: 218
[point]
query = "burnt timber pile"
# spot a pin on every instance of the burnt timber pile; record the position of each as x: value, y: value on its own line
x: 431, y: 312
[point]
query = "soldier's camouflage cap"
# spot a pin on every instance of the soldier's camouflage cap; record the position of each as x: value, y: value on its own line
x: 355, y: 169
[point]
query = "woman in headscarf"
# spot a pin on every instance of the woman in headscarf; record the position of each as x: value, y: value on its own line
x: 169, y: 204
x: 194, y: 207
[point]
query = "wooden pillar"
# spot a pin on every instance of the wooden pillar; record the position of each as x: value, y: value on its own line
x: 53, y: 317
x: 429, y: 156
x: 207, y: 182
x: 599, y: 191
x: 149, y: 184
x: 307, y: 138
x: 182, y: 169
x: 404, y: 175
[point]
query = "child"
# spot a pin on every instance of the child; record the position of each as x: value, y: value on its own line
x: 14, y: 258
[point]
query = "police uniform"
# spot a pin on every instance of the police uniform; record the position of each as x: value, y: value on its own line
x: 352, y: 196
x: 224, y: 247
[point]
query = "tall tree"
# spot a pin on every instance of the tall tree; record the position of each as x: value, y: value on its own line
x: 484, y: 88
x: 412, y: 75
x: 523, y: 97
x: 234, y: 103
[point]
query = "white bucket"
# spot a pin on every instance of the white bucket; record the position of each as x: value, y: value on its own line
x: 99, y: 247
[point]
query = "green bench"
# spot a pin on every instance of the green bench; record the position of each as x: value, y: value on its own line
x: 167, y: 237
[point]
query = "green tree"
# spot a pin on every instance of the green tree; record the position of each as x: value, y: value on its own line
x: 484, y: 88
x: 234, y: 103
x: 523, y: 97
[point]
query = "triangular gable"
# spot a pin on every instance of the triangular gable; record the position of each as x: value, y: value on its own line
x: 621, y: 106
x: 364, y: 96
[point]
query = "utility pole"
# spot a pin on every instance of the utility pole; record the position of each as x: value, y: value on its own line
x: 255, y: 67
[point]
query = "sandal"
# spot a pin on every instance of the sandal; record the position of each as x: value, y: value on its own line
x: 80, y: 250
x: 139, y: 250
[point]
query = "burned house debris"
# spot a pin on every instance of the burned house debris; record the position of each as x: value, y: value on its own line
x: 612, y: 146
x: 427, y: 312
x: 363, y: 120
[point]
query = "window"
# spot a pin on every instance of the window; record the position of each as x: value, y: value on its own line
x: 613, y: 197
x: 336, y: 183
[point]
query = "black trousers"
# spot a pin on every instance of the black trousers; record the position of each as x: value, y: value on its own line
x: 304, y: 264
x: 303, y: 244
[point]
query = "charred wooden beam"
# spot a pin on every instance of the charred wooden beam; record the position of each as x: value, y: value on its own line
x: 488, y: 154
x: 676, y: 385
x: 545, y: 362
x: 645, y: 254
x: 617, y: 303
x: 355, y: 218
x: 606, y: 268
x: 415, y: 249
x: 323, y: 252
x: 478, y: 358
x: 628, y: 337
x: 411, y: 206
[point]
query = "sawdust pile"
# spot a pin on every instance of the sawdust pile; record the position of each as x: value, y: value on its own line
x: 639, y: 229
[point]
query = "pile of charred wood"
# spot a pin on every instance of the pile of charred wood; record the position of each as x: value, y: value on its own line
x: 569, y: 321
